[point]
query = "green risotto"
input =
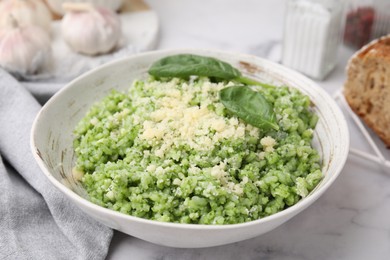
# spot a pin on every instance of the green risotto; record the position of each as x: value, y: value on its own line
x: 168, y: 150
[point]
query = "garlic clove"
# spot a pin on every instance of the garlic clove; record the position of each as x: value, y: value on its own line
x: 24, y: 50
x: 56, y: 5
x: 26, y: 12
x: 90, y: 30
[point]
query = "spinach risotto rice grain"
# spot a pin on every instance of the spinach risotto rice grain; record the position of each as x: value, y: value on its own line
x: 168, y: 150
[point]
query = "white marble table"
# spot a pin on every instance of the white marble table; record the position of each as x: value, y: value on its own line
x: 350, y: 221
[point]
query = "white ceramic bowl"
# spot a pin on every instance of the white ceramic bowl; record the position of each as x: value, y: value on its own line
x: 51, y: 143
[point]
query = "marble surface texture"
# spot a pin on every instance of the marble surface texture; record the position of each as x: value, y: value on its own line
x: 350, y: 221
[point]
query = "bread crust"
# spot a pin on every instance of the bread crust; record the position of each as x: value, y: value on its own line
x: 367, y: 88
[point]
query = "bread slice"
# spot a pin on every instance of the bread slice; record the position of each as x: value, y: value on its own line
x: 367, y: 88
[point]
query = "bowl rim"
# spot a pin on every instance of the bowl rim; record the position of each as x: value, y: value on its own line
x: 301, y: 204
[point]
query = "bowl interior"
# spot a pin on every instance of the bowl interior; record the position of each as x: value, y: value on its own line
x: 52, y: 137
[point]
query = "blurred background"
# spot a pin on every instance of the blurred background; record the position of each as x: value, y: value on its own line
x: 305, y: 35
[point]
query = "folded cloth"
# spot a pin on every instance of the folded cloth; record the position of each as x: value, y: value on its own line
x: 36, y: 220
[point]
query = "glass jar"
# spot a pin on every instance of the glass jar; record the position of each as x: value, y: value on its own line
x: 312, y: 35
x: 366, y: 20
x: 382, y: 18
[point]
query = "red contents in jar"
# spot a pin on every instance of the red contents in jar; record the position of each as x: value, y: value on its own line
x: 358, y: 26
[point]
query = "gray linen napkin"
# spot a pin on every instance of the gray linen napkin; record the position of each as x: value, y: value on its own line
x: 36, y: 220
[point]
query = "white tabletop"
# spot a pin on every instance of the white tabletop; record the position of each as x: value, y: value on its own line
x: 350, y: 221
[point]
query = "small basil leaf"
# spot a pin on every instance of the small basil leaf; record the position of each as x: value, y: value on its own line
x: 250, y: 106
x: 185, y: 65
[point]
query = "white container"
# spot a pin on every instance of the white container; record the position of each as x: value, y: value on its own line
x: 312, y: 36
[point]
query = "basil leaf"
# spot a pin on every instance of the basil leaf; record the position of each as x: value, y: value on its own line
x: 245, y: 103
x: 185, y: 65
x: 250, y: 106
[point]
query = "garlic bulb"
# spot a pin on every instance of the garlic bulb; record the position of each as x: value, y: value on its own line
x: 24, y: 49
x: 26, y: 12
x: 90, y: 30
x: 56, y: 5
